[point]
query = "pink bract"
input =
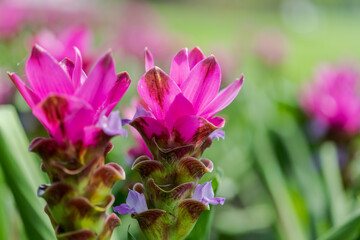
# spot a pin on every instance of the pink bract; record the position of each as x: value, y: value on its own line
x: 71, y: 105
x: 182, y: 105
x: 333, y: 99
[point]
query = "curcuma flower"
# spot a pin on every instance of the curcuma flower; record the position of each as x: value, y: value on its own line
x: 333, y: 99
x: 76, y: 111
x: 177, y: 123
x: 72, y: 106
x: 182, y: 105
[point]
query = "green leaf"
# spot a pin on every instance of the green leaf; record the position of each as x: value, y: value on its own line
x: 332, y: 176
x: 4, y: 223
x: 349, y: 230
x: 129, y: 235
x: 202, y: 228
x: 22, y: 173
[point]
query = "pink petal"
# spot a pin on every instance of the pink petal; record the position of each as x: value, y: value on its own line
x: 68, y: 66
x: 64, y: 116
x: 100, y: 81
x: 195, y: 56
x: 30, y: 97
x: 180, y: 67
x: 79, y: 37
x: 180, y: 107
x: 223, y: 99
x: 45, y: 74
x: 149, y: 60
x: 191, y: 130
x: 217, y: 121
x: 78, y: 72
x: 158, y: 91
x: 149, y: 129
x: 117, y: 92
x: 203, y: 83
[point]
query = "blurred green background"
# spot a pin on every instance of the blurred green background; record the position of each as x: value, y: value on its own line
x: 273, y: 186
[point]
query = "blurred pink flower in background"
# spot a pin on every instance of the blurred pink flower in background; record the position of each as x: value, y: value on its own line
x: 142, y: 27
x: 333, y: 99
x: 6, y: 89
x: 271, y: 47
x: 15, y: 15
x: 62, y: 45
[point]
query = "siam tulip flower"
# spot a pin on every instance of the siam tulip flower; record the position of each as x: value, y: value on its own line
x: 145, y: 22
x: 271, y: 47
x: 69, y: 103
x: 333, y: 100
x: 182, y: 105
x: 135, y: 204
x: 76, y: 111
x: 205, y: 194
x: 177, y: 123
x: 61, y: 45
x: 11, y: 19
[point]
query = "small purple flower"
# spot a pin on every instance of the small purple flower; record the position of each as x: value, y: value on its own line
x: 135, y: 204
x: 205, y: 194
x: 111, y: 125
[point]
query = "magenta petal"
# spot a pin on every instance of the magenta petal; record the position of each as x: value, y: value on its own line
x: 64, y: 117
x: 68, y: 66
x: 217, y: 121
x: 223, y: 99
x: 100, y: 81
x: 45, y: 74
x: 149, y: 60
x: 191, y: 130
x: 180, y: 67
x: 180, y: 107
x: 203, y: 83
x: 195, y: 56
x: 150, y: 128
x: 30, y: 97
x: 158, y: 91
x: 78, y: 72
x: 117, y: 91
x: 123, y: 209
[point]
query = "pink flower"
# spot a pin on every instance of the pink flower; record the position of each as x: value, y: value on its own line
x: 333, y: 100
x: 182, y: 105
x: 62, y: 45
x: 71, y: 105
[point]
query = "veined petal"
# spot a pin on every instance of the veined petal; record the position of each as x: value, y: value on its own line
x: 195, y: 56
x: 180, y: 107
x: 30, y: 97
x: 149, y: 60
x: 64, y: 116
x: 45, y: 74
x: 150, y: 128
x: 158, y: 91
x: 223, y: 99
x: 101, y: 79
x: 203, y: 83
x: 117, y: 92
x: 191, y: 130
x: 180, y: 67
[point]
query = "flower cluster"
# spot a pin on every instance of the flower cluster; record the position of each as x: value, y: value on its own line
x: 177, y: 122
x: 76, y: 111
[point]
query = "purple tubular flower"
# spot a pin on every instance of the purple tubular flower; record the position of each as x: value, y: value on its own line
x: 70, y: 104
x: 135, y: 204
x: 182, y: 105
x: 205, y: 194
